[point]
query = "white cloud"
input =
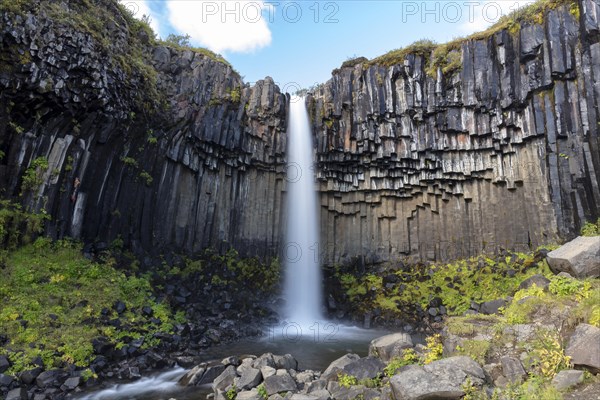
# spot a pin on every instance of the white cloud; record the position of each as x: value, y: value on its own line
x: 237, y: 26
x: 482, y: 14
x: 139, y: 9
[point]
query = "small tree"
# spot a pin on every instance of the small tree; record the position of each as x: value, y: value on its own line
x: 178, y: 40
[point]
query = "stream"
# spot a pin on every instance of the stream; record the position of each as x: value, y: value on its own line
x: 314, y: 347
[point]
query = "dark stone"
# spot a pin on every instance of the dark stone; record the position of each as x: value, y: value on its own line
x: 72, y: 383
x: 186, y: 361
x: 364, y: 368
x: 17, y: 394
x: 147, y: 311
x: 539, y: 280
x: 6, y: 380
x: 492, y: 307
x: 29, y: 376
x: 583, y: 346
x: 131, y: 373
x: 51, y: 378
x: 4, y: 364
x: 249, y: 379
x: 280, y: 383
x: 512, y: 369
x: 119, y: 307
x: 285, y: 362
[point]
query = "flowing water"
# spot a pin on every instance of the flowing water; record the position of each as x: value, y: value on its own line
x: 301, y: 250
x: 304, y: 333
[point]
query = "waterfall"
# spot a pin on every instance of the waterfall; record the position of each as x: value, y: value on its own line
x: 303, y: 273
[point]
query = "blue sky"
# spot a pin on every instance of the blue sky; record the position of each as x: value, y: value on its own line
x: 298, y: 43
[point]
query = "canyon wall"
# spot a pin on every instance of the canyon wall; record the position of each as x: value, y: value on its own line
x: 502, y: 153
x: 172, y: 150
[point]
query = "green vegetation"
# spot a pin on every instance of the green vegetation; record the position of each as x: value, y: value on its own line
x: 18, y: 226
x: 409, y: 357
x: 231, y: 393
x: 476, y: 349
x: 233, y: 271
x: 477, y: 279
x: 146, y: 177
x: 235, y: 94
x: 130, y: 162
x: 182, y: 42
x: 346, y: 380
x: 591, y: 229
x: 32, y: 178
x: 18, y: 129
x: 55, y: 302
x: 423, y: 48
x: 15, y: 6
x: 262, y: 391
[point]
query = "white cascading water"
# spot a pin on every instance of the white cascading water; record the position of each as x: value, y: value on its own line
x: 303, y: 272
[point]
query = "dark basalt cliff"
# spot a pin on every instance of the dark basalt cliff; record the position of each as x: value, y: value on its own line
x: 503, y: 153
x: 175, y: 153
x: 172, y: 149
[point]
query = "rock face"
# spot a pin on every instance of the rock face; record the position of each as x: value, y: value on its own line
x: 172, y: 150
x: 580, y: 257
x: 503, y: 153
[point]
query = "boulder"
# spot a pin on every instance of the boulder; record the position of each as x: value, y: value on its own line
x: 29, y: 376
x: 567, y: 378
x: 6, y: 380
x: 337, y: 366
x: 249, y: 395
x: 580, y: 257
x: 512, y: 369
x: 364, y: 368
x: 266, y: 359
x: 492, y: 307
x: 353, y: 392
x: 17, y: 394
x: 584, y: 347
x: 226, y: 379
x: 441, y: 379
x: 250, y: 378
x: 50, y: 378
x: 4, y: 364
x: 538, y: 279
x: 285, y: 362
x: 389, y: 346
x: 71, y: 383
x: 320, y: 394
x: 280, y: 383
x: 202, y: 374
x: 267, y: 371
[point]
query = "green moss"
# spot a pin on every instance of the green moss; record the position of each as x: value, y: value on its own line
x: 146, y: 177
x: 53, y: 298
x: 33, y: 176
x: 476, y: 349
x: 591, y: 229
x: 130, y: 162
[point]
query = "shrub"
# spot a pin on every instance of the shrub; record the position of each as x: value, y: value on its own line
x: 591, y: 229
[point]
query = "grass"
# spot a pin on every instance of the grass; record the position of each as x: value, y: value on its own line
x: 55, y: 302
